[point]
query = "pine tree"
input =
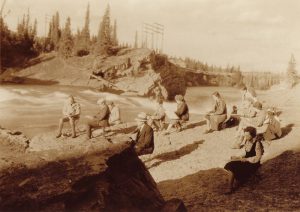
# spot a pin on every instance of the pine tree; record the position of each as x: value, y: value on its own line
x: 114, y: 35
x: 291, y: 72
x: 56, y: 32
x: 66, y: 42
x: 86, y: 29
x: 104, y: 41
x: 136, y: 40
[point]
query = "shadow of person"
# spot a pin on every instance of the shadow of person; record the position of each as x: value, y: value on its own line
x: 168, y: 156
x: 287, y: 129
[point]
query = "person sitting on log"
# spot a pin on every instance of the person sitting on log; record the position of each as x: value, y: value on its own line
x: 115, y: 115
x: 157, y: 119
x: 100, y: 120
x: 181, y: 114
x: 242, y: 167
x: 218, y: 115
x: 143, y: 141
x: 71, y: 113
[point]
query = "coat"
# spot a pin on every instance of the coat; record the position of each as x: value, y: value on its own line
x: 218, y: 115
x: 144, y: 143
x: 102, y: 116
x: 182, y: 111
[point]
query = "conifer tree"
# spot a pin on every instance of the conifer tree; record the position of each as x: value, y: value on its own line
x: 104, y: 41
x: 114, y: 34
x: 291, y: 72
x: 66, y: 42
x: 136, y: 40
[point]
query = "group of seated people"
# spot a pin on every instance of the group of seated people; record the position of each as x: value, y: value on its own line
x: 254, y: 125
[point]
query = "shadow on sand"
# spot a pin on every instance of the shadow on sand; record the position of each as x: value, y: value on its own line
x: 287, y: 129
x: 168, y: 156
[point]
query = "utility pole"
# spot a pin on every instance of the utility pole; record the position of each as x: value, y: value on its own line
x: 155, y: 30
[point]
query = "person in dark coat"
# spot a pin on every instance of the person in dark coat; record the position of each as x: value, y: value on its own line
x: 242, y: 167
x: 182, y: 114
x: 144, y: 141
x: 100, y: 120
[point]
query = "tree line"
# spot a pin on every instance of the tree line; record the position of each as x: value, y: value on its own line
x: 19, y: 46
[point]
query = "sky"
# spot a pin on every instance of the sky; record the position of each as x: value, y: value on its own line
x: 257, y: 35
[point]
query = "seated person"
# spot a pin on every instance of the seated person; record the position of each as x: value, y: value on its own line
x: 71, y: 112
x: 143, y: 143
x: 157, y: 119
x: 241, y: 168
x: 115, y: 116
x: 218, y: 115
x: 233, y: 120
x: 273, y: 129
x: 100, y: 120
x: 254, y: 118
x: 182, y: 114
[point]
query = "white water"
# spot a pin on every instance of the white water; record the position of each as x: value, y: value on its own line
x: 34, y: 109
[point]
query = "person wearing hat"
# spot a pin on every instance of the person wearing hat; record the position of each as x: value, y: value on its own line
x: 273, y: 127
x: 144, y: 141
x: 71, y: 113
x: 255, y: 118
x: 100, y: 120
x: 217, y: 116
x: 114, y: 117
x: 240, y: 168
x: 181, y: 114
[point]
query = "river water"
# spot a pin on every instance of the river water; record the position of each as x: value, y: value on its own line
x: 35, y: 109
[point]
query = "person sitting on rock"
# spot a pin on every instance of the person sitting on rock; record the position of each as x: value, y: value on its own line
x: 71, y: 113
x: 273, y: 129
x: 157, y: 119
x: 241, y: 168
x: 218, y: 115
x: 255, y: 117
x: 182, y: 114
x: 249, y: 97
x: 100, y: 120
x: 143, y: 142
x: 115, y: 116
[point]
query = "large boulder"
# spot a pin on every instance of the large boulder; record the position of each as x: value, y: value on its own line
x: 51, y: 174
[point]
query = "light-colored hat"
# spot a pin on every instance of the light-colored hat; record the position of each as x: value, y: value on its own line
x: 141, y: 117
x: 100, y: 101
x: 179, y: 98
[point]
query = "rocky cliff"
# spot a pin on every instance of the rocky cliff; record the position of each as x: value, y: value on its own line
x: 74, y: 174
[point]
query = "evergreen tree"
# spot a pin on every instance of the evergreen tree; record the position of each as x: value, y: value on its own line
x: 104, y: 41
x: 114, y: 35
x: 291, y: 72
x: 55, y: 31
x: 136, y: 40
x: 66, y: 43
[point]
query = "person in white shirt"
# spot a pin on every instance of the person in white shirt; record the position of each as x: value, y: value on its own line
x: 115, y: 115
x: 71, y: 113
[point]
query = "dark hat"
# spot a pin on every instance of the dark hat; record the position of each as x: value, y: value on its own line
x: 251, y: 130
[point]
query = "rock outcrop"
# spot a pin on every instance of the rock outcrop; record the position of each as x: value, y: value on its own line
x: 103, y: 173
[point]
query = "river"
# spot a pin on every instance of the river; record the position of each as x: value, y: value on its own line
x: 34, y: 109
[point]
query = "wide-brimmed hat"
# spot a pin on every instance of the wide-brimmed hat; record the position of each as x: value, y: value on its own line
x: 179, y: 98
x: 100, y: 101
x: 141, y: 117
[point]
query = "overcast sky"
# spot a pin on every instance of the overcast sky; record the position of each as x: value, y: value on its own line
x: 258, y: 35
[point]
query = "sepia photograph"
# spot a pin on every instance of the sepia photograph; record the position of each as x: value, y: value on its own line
x: 138, y: 105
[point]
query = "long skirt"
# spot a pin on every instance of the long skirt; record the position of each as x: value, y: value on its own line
x: 216, y: 120
x: 242, y: 170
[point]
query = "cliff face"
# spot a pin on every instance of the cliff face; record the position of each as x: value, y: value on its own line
x: 98, y: 174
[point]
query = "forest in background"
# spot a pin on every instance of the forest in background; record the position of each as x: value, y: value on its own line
x: 17, y: 48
